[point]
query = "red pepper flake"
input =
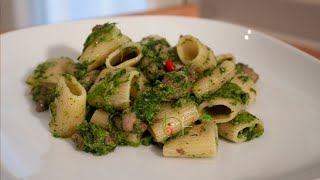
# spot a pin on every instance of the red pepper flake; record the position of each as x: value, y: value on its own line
x: 169, y: 131
x: 169, y: 66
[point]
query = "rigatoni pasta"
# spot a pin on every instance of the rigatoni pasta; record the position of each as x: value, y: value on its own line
x: 172, y: 120
x: 243, y: 127
x: 103, y: 40
x: 69, y: 108
x: 214, y: 79
x: 127, y: 55
x: 199, y: 141
x: 120, y: 93
x: 192, y: 51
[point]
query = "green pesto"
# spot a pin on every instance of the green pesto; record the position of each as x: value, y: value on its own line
x: 243, y: 78
x: 108, y: 87
x: 44, y: 94
x: 182, y: 101
x: 99, y: 35
x: 147, y: 106
x: 146, y: 140
x: 81, y: 72
x: 53, y: 112
x: 239, y: 68
x: 94, y: 139
x: 251, y: 132
x: 229, y: 91
x: 137, y: 85
x: 119, y: 136
x: 243, y: 118
x: 205, y: 117
x: 154, y: 51
x: 208, y: 72
x: 137, y: 129
x: 173, y: 55
x: 81, y: 69
x: 40, y: 72
x: 67, y: 76
x: 222, y: 70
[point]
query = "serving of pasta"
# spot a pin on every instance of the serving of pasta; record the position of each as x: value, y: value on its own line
x: 180, y: 98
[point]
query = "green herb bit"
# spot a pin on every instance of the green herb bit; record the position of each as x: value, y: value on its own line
x: 40, y: 71
x: 94, y: 139
x: 99, y: 33
x: 243, y: 118
x: 222, y: 70
x: 243, y: 78
x: 230, y: 91
x: 147, y: 140
x: 108, y: 87
x: 251, y: 132
x: 208, y: 72
x: 205, y: 117
x: 147, y: 106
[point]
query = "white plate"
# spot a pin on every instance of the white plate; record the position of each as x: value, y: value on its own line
x: 288, y: 103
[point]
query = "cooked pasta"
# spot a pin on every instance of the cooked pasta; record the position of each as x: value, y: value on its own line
x: 172, y: 120
x: 127, y: 55
x: 200, y: 141
x: 192, y: 51
x: 101, y: 118
x: 69, y: 108
x: 113, y: 88
x: 147, y: 92
x: 243, y: 127
x: 50, y: 71
x: 225, y: 57
x: 214, y: 79
x: 103, y: 40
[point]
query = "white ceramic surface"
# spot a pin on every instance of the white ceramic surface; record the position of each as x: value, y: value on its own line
x: 288, y: 103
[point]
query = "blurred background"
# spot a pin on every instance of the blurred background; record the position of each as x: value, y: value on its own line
x: 294, y: 21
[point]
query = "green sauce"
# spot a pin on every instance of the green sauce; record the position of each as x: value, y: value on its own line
x: 40, y: 71
x: 147, y: 106
x: 229, y: 91
x: 95, y: 139
x: 251, y: 132
x: 243, y: 118
x: 99, y: 35
x: 108, y: 87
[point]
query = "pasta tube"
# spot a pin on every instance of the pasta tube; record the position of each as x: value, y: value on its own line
x: 247, y: 85
x: 69, y: 107
x: 49, y: 71
x: 225, y: 57
x: 101, y: 118
x: 215, y: 79
x: 172, y: 120
x: 191, y: 51
x: 200, y: 141
x: 113, y: 88
x: 220, y: 109
x: 128, y: 55
x: 100, y: 43
x: 243, y: 127
x: 227, y: 102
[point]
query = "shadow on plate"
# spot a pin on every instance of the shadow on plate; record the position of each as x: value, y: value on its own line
x: 61, y: 50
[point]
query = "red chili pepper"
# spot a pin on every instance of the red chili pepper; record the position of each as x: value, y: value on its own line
x: 169, y: 65
x: 169, y: 131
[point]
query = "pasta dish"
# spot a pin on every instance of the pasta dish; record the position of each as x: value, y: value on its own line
x: 181, y: 98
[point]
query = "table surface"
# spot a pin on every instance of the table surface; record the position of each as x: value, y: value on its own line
x: 194, y: 11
